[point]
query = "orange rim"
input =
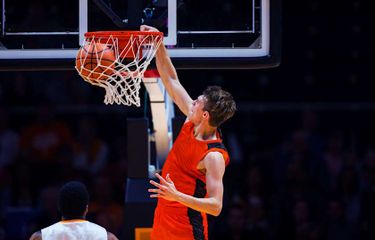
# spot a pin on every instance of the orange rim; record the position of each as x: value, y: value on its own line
x: 124, y: 38
x: 120, y: 34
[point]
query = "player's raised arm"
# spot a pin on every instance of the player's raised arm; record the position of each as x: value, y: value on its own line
x: 169, y: 77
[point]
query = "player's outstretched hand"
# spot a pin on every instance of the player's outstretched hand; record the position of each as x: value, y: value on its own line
x: 146, y: 28
x: 165, y: 189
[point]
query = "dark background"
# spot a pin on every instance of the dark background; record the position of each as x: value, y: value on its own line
x: 301, y: 143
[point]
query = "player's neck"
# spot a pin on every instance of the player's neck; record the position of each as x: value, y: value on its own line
x: 205, y: 132
x: 73, y: 218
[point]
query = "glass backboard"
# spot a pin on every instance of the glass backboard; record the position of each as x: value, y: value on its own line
x: 42, y: 34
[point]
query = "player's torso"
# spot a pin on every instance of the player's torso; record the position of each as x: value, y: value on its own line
x: 74, y: 230
x: 183, y: 160
x: 173, y: 220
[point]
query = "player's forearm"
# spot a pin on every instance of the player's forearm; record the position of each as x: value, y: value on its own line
x: 165, y: 66
x: 170, y: 80
x: 209, y: 205
x: 167, y: 72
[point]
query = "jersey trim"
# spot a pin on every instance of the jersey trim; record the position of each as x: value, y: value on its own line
x: 195, y: 217
x: 73, y: 220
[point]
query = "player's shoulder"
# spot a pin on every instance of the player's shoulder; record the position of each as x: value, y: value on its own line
x: 187, y: 126
x: 214, y: 156
x: 36, y: 236
x: 111, y: 236
x: 214, y: 163
x: 95, y: 225
x: 188, y: 123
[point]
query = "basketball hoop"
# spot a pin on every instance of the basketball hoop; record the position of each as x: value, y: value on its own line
x: 117, y: 61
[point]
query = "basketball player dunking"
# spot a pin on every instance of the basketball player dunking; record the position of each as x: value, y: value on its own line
x: 73, y: 205
x: 191, y: 182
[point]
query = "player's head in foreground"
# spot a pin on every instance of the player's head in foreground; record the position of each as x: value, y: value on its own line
x: 73, y: 200
x: 214, y: 106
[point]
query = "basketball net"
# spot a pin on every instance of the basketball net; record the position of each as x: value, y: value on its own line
x: 121, y: 77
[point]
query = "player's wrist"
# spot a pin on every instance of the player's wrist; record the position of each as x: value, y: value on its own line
x: 179, y: 197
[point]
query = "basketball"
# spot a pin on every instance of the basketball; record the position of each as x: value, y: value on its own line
x: 95, y: 61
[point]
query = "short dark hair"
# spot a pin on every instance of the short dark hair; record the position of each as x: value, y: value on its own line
x: 73, y: 200
x: 219, y: 104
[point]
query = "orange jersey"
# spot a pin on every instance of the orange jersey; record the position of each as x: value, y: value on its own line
x: 172, y: 220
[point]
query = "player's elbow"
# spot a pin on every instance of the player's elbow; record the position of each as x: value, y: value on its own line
x: 216, y: 209
x: 216, y: 213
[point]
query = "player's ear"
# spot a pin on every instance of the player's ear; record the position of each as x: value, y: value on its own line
x: 206, y: 115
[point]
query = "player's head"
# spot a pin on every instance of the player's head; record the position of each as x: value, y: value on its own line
x: 219, y: 104
x: 73, y: 200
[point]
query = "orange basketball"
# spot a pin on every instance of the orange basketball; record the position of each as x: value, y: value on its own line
x: 95, y: 61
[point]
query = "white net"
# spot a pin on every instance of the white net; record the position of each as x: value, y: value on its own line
x: 117, y: 64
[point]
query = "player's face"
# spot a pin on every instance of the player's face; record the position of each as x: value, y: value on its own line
x: 197, y: 111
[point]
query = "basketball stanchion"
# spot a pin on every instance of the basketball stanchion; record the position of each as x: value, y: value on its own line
x: 117, y: 61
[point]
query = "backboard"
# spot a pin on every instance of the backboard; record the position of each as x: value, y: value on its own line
x: 46, y: 35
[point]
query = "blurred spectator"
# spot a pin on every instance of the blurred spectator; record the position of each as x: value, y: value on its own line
x: 255, y: 196
x: 77, y: 90
x: 293, y: 155
x: 65, y: 158
x: 303, y: 225
x: 333, y: 158
x: 234, y: 147
x: 310, y: 125
x: 117, y: 168
x: 40, y: 141
x: 56, y: 91
x: 368, y: 197
x: 235, y: 224
x: 5, y: 191
x: 303, y: 148
x: 255, y: 185
x: 47, y: 210
x: 334, y: 226
x: 90, y: 151
x: 22, y: 185
x: 18, y: 91
x: 257, y: 222
x: 2, y: 234
x: 42, y: 138
x: 103, y: 208
x: 349, y: 193
x: 8, y: 140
